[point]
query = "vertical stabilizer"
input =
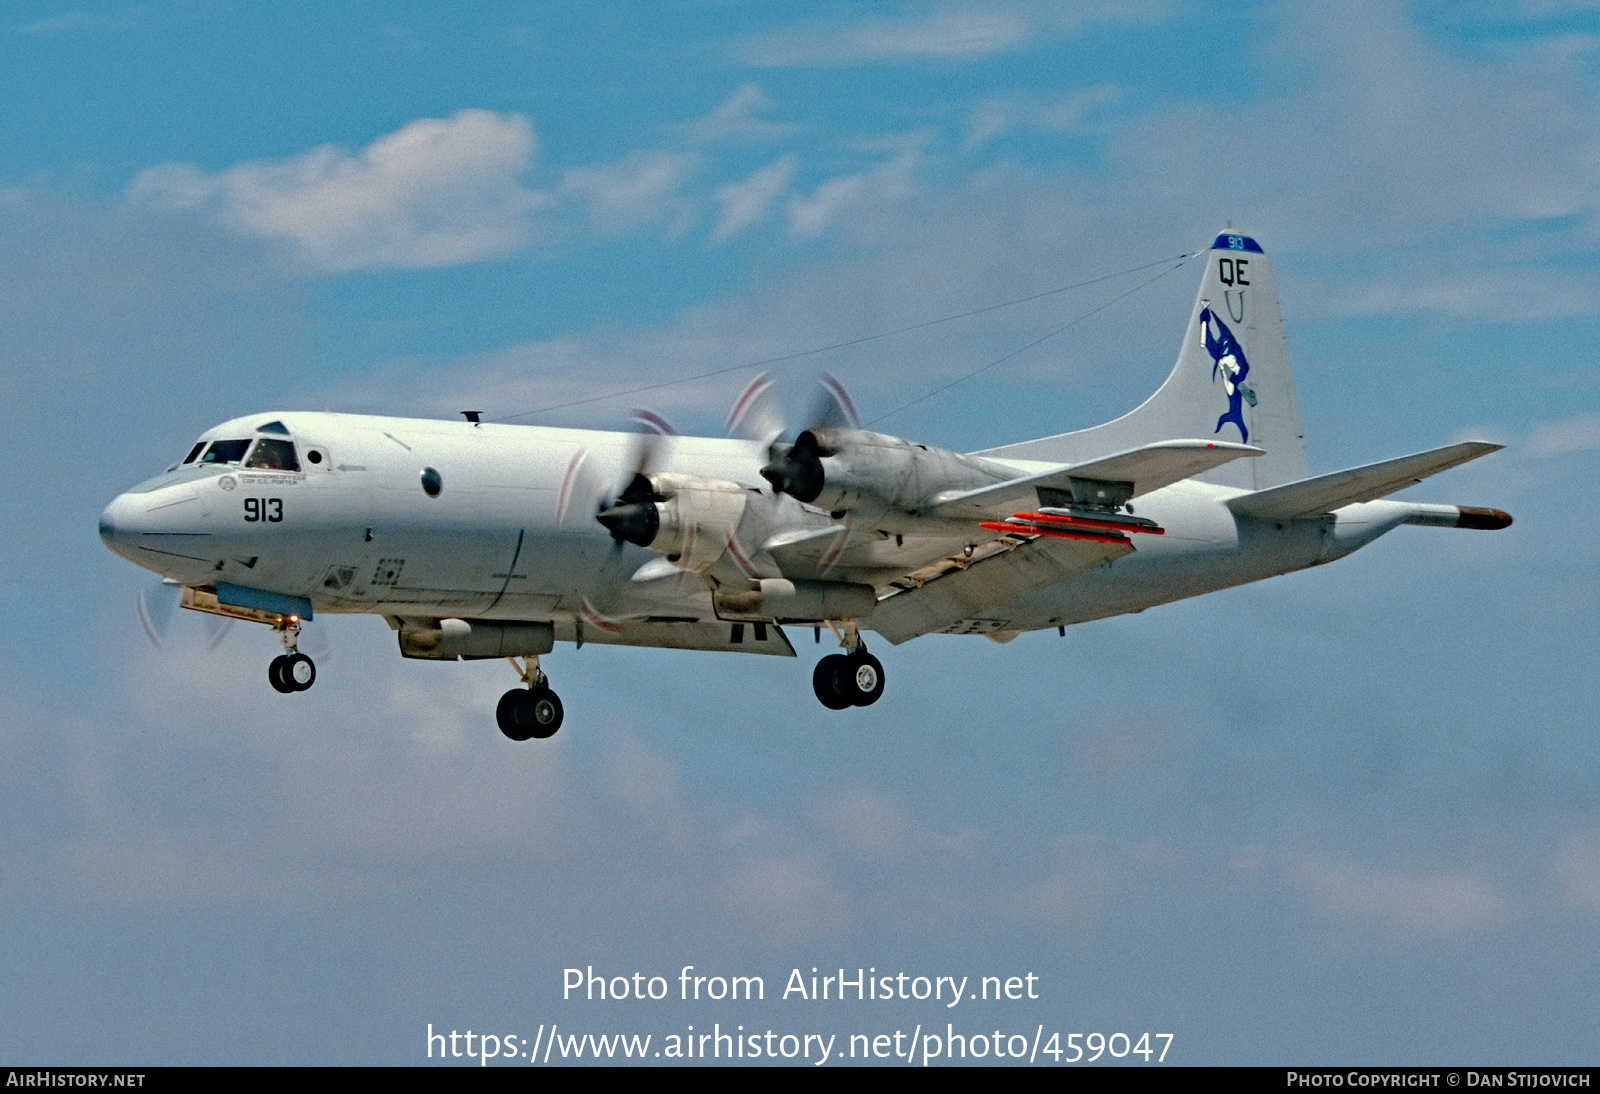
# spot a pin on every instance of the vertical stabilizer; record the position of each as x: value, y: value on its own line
x: 1232, y: 382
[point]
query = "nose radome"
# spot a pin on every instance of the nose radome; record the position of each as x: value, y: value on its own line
x: 109, y: 531
x: 121, y: 523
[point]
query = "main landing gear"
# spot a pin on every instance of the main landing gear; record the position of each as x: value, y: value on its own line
x: 291, y: 670
x: 851, y: 679
x: 531, y: 711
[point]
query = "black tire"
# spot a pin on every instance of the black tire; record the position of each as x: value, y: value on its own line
x: 541, y: 712
x: 299, y: 672
x: 862, y: 677
x: 275, y: 674
x: 506, y: 715
x: 827, y: 682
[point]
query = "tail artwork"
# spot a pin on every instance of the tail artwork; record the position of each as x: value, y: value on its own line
x: 1232, y: 381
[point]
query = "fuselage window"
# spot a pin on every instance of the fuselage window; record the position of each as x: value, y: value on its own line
x: 225, y: 451
x: 273, y: 455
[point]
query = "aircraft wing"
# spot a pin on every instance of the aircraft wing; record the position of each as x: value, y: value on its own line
x: 1134, y: 472
x: 1325, y: 493
x: 934, y: 582
x: 959, y: 588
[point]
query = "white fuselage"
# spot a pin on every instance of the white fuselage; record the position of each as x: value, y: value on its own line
x: 510, y: 533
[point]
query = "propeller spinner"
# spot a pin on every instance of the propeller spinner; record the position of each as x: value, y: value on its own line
x: 632, y: 516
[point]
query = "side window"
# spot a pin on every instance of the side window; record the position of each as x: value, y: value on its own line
x: 273, y: 455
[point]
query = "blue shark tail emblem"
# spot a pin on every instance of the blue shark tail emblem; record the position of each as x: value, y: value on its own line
x: 1229, y: 363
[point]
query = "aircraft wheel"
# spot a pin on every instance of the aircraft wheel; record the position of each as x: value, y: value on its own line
x: 829, y: 682
x: 541, y: 710
x: 276, y: 676
x: 506, y: 715
x: 863, y: 673
x: 298, y: 671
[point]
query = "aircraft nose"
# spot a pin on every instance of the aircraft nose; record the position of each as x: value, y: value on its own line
x: 117, y: 523
x: 131, y: 518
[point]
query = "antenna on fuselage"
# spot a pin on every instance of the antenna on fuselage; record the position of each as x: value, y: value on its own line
x: 472, y: 415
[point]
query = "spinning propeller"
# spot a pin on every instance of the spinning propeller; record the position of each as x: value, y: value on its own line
x: 794, y: 469
x: 631, y: 516
x: 155, y: 606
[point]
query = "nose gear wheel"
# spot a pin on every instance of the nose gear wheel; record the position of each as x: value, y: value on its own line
x: 291, y: 672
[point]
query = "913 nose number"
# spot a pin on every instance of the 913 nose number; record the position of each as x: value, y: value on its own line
x: 259, y: 509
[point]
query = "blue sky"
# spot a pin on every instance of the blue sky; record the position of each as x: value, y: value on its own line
x: 1344, y: 815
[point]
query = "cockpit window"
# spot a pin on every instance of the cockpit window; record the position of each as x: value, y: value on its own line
x: 225, y: 451
x: 195, y: 451
x: 273, y: 427
x: 273, y: 455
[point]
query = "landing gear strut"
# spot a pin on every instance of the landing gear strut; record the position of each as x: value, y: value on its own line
x: 851, y: 679
x: 291, y: 670
x: 531, y: 711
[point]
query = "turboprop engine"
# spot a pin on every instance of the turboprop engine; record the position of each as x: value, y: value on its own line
x: 698, y: 525
x: 872, y: 474
x: 689, y: 519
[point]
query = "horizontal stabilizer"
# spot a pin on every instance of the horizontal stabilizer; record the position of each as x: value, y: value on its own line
x: 1141, y: 469
x: 1325, y: 493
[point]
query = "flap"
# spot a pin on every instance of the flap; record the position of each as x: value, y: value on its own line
x: 957, y: 588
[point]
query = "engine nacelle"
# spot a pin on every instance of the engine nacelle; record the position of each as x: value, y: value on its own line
x: 872, y: 473
x: 685, y: 517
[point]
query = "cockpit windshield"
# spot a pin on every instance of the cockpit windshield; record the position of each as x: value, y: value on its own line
x: 269, y: 453
x: 225, y: 451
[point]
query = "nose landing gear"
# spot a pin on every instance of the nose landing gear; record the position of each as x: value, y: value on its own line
x: 291, y: 670
x: 532, y: 711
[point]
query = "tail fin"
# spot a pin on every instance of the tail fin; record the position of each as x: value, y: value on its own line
x: 1232, y: 381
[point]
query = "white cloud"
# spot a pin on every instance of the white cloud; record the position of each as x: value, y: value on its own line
x: 1576, y: 868
x: 812, y: 215
x: 436, y: 192
x: 736, y: 118
x: 637, y: 190
x: 1580, y: 433
x: 995, y: 117
x: 948, y: 32
x: 1430, y: 902
x: 748, y: 202
x: 1392, y: 142
x: 78, y: 21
